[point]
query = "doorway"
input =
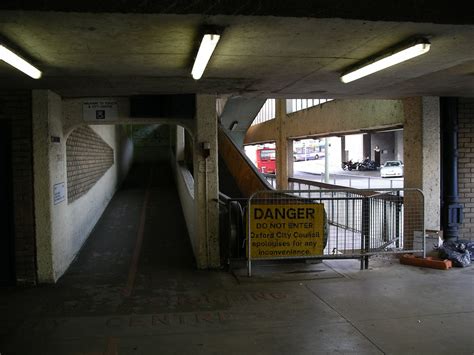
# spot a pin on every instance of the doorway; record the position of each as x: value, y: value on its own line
x: 7, y: 272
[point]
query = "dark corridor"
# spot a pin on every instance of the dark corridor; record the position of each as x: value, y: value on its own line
x: 138, y: 260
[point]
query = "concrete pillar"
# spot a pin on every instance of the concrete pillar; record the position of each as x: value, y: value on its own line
x: 343, y: 149
x: 42, y: 187
x: 326, y: 160
x: 421, y: 156
x: 49, y: 169
x: 399, y: 145
x: 289, y: 158
x: 180, y: 145
x: 431, y: 162
x: 284, y: 158
x: 367, y: 139
x: 206, y: 183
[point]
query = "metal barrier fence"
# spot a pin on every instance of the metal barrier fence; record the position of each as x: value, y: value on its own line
x: 340, y: 180
x: 271, y: 179
x: 358, y: 182
x: 353, y: 224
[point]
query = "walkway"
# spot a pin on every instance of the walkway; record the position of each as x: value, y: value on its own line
x: 127, y: 295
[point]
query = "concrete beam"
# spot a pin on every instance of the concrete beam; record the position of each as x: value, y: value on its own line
x: 246, y: 175
x: 240, y: 110
x: 333, y: 118
x: 73, y: 115
x: 437, y: 12
x: 262, y: 132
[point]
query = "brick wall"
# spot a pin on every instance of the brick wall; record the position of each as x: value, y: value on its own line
x: 466, y: 164
x: 88, y: 158
x: 15, y: 107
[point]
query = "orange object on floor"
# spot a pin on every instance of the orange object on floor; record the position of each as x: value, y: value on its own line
x: 434, y: 263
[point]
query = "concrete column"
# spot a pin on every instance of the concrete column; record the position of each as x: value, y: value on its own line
x: 179, y: 143
x: 284, y: 158
x: 289, y: 158
x: 399, y: 145
x: 367, y: 139
x: 413, y: 142
x: 42, y: 186
x: 431, y: 162
x: 343, y: 149
x: 206, y: 183
x: 421, y: 156
x: 49, y: 169
x: 326, y: 160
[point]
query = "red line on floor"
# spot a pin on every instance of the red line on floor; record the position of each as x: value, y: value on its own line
x: 138, y: 244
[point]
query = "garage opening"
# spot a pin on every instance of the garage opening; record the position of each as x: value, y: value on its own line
x: 366, y: 160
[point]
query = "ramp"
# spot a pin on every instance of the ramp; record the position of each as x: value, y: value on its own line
x: 241, y: 173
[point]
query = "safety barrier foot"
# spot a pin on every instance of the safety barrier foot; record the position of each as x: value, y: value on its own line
x: 434, y: 263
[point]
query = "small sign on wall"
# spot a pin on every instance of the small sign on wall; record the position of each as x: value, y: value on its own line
x: 100, y: 110
x: 59, y: 193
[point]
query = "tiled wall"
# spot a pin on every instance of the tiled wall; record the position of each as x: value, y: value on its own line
x: 88, y: 158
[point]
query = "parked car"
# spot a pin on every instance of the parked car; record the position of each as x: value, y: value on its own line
x: 317, y: 155
x: 392, y: 168
x: 307, y: 156
x: 299, y: 157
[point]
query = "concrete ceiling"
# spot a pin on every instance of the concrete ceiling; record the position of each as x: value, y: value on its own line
x: 91, y: 54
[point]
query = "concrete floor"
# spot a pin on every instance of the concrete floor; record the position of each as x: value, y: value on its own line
x: 127, y: 296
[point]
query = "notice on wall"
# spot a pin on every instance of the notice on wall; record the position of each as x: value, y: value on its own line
x: 59, y: 193
x: 285, y: 231
x: 100, y: 110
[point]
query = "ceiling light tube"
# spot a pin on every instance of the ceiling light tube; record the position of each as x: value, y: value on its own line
x: 398, y: 56
x: 19, y: 63
x: 208, y: 44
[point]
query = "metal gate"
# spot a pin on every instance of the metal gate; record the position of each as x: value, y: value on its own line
x: 355, y: 223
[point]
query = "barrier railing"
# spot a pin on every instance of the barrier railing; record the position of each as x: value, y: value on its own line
x: 271, y: 179
x: 356, y: 182
x: 334, y: 223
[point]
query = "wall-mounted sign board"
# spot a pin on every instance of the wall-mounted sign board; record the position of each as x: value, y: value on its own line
x: 100, y: 110
x: 59, y: 193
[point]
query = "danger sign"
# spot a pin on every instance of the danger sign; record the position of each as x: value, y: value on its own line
x: 279, y: 231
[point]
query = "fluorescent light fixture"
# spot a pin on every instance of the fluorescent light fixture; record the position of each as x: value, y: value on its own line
x: 394, y: 57
x: 208, y: 44
x: 19, y: 63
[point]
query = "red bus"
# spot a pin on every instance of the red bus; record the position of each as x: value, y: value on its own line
x: 266, y: 160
